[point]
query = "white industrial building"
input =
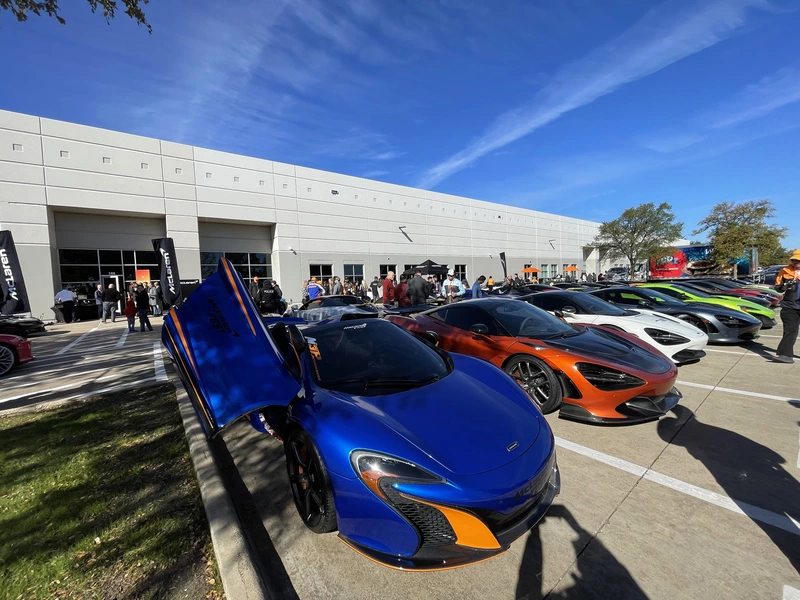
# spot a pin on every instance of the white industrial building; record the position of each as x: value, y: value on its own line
x: 84, y: 203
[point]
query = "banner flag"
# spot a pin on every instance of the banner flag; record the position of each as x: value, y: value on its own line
x: 168, y: 268
x: 503, y: 260
x: 13, y: 295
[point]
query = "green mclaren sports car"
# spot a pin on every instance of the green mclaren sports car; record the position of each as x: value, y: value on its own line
x: 765, y: 315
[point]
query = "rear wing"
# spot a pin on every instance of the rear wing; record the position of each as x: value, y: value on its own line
x: 227, y: 359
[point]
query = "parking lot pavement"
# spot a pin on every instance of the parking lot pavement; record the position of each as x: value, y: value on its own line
x: 702, y: 504
x: 81, y: 359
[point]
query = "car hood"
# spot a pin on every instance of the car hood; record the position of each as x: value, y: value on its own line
x: 606, y: 345
x: 650, y: 318
x: 466, y: 422
x: 714, y: 309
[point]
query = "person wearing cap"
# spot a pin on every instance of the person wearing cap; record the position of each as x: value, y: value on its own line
x: 315, y: 290
x: 452, y: 288
x: 788, y: 283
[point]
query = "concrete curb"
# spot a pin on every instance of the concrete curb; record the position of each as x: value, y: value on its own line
x: 240, y: 577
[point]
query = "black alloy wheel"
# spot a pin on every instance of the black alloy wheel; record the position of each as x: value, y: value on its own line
x: 8, y: 358
x: 311, y: 487
x: 538, y: 380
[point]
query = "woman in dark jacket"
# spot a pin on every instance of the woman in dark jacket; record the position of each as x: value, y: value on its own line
x: 143, y: 307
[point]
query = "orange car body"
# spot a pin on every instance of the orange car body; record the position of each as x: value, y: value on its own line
x: 582, y: 400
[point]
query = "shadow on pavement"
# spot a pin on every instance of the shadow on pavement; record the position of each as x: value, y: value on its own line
x: 596, y: 572
x: 747, y: 471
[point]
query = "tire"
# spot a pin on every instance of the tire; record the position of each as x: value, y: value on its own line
x: 8, y: 358
x: 310, y: 484
x: 692, y: 320
x: 537, y: 379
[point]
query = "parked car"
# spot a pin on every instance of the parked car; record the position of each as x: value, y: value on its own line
x: 591, y: 374
x: 694, y: 295
x: 725, y: 287
x: 722, y: 325
x: 21, y: 326
x: 421, y: 459
x: 680, y: 341
x: 14, y: 351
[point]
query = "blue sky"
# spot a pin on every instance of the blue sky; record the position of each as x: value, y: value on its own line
x: 578, y: 107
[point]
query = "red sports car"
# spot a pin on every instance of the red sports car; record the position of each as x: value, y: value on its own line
x: 14, y: 350
x: 592, y: 374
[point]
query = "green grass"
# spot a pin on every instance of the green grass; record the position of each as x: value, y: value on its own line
x: 99, y: 500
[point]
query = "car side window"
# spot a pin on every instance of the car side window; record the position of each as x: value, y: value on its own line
x: 627, y: 298
x: 670, y: 292
x: 548, y: 301
x: 464, y: 317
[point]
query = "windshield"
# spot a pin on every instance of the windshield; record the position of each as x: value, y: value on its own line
x: 371, y: 358
x: 658, y: 297
x: 521, y: 319
x: 690, y: 289
x: 596, y: 306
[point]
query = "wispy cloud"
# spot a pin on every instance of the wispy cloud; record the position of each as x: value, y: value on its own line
x: 374, y: 174
x: 756, y: 100
x: 658, y: 40
x: 672, y: 142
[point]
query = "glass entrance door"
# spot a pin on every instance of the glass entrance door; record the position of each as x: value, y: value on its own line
x: 115, y: 279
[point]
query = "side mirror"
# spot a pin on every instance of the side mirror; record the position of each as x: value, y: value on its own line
x: 559, y: 314
x: 645, y: 303
x: 683, y: 297
x: 569, y: 310
x: 432, y: 337
x: 480, y: 329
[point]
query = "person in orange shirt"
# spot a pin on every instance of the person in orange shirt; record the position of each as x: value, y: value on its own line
x: 788, y: 282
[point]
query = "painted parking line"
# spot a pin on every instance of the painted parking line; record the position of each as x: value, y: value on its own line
x: 122, y: 339
x: 790, y: 593
x: 756, y: 513
x: 715, y: 388
x: 95, y: 352
x: 76, y: 341
x: 71, y: 366
x: 116, y: 388
x: 158, y: 362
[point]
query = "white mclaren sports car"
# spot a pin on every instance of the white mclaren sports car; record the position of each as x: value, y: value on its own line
x: 679, y: 340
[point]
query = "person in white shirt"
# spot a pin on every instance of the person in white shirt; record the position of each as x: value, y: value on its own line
x: 67, y: 298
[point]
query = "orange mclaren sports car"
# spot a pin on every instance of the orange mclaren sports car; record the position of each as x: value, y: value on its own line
x: 591, y: 374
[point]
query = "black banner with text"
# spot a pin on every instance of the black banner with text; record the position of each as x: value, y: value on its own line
x: 13, y: 295
x: 168, y: 268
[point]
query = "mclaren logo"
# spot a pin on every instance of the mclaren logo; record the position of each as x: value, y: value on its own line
x: 8, y: 274
x: 512, y: 446
x: 168, y: 267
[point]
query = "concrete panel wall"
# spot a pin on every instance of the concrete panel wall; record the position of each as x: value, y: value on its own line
x: 301, y: 215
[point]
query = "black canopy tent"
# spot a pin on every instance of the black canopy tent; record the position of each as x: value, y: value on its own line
x: 428, y: 268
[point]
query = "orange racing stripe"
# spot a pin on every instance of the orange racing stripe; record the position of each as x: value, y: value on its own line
x: 211, y: 421
x: 470, y: 531
x: 238, y: 295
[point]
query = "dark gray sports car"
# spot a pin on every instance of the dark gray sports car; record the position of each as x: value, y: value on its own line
x: 722, y: 325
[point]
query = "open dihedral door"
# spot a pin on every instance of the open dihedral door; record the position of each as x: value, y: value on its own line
x: 227, y: 359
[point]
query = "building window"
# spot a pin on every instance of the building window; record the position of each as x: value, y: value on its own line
x: 106, y: 160
x: 553, y: 270
x: 16, y: 147
x: 460, y: 271
x: 407, y: 267
x: 145, y: 166
x: 384, y: 269
x: 178, y: 171
x: 235, y: 179
x: 83, y: 269
x: 320, y: 271
x: 208, y: 175
x: 247, y: 264
x: 65, y: 154
x: 354, y: 273
x: 543, y: 272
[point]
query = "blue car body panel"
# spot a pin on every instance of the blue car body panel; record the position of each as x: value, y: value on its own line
x: 474, y: 428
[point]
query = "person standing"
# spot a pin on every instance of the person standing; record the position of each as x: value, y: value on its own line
x: 477, y: 292
x: 269, y: 298
x: 788, y: 282
x: 452, y: 289
x: 143, y: 307
x: 418, y: 289
x: 110, y: 299
x: 152, y: 294
x: 388, y: 289
x: 98, y: 299
x: 373, y: 287
x: 67, y: 298
x: 490, y: 283
x: 130, y: 312
x: 401, y: 292
x: 336, y: 288
x: 314, y: 289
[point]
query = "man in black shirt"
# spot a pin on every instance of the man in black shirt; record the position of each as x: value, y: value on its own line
x: 110, y: 299
x: 270, y: 297
x: 418, y: 289
x: 143, y: 307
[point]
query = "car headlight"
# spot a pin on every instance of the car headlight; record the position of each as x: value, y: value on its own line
x: 666, y: 338
x: 607, y: 379
x: 379, y: 471
x: 730, y: 321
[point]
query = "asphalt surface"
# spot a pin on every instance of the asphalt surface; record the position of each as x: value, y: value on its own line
x: 77, y: 360
x: 702, y: 504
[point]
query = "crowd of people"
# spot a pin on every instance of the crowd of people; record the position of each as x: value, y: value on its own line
x: 267, y: 295
x: 141, y: 300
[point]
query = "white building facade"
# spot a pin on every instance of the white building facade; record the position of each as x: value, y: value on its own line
x: 84, y: 203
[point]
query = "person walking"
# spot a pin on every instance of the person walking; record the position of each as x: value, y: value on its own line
x: 477, y: 292
x: 67, y: 298
x: 143, y: 307
x: 452, y: 289
x: 98, y: 299
x: 152, y: 294
x: 130, y: 312
x: 418, y: 289
x: 110, y: 299
x: 788, y: 282
x: 401, y: 292
x: 388, y: 289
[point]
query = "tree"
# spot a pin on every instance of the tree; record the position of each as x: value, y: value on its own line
x: 779, y: 257
x: 734, y: 228
x: 640, y: 233
x: 21, y: 8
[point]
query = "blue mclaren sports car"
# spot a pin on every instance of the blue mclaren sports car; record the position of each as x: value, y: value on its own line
x: 421, y: 459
